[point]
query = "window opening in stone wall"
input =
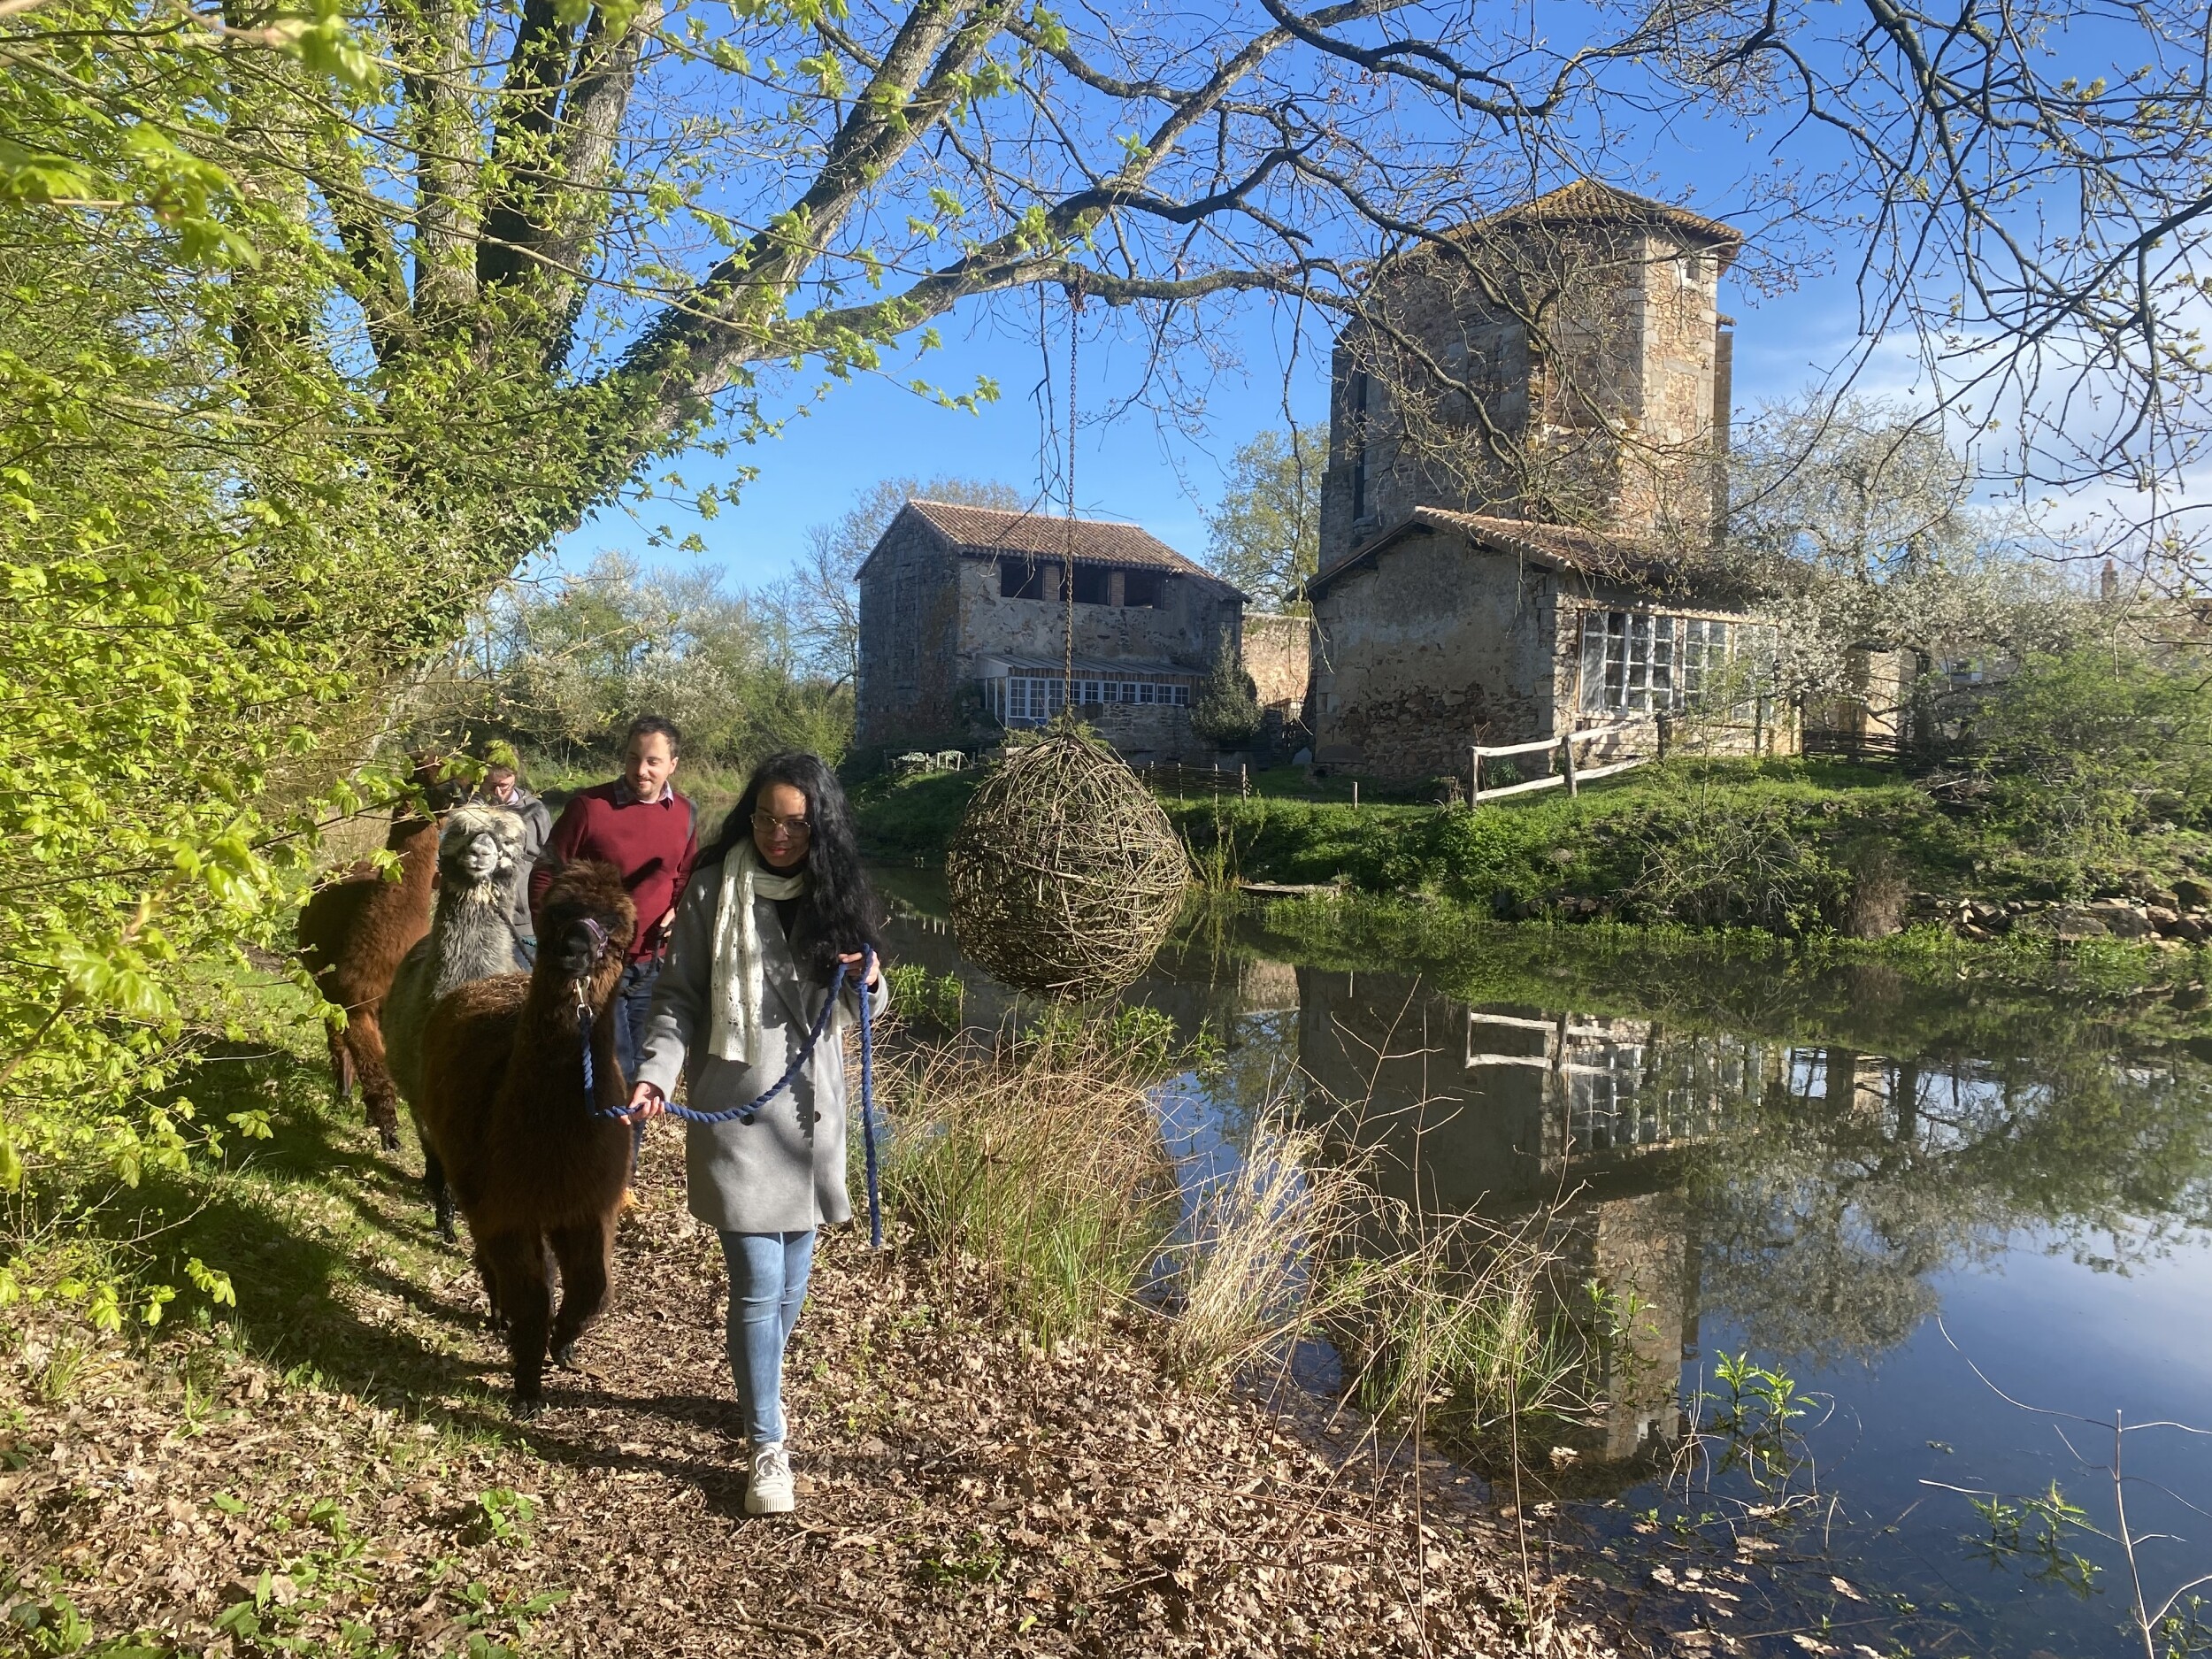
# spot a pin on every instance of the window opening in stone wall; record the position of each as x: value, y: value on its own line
x: 1021, y: 579
x: 1144, y: 588
x: 1092, y: 585
x: 1032, y: 699
x: 1703, y: 663
x: 1029, y: 699
x: 1633, y: 660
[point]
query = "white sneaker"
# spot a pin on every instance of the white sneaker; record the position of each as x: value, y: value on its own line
x: 768, y: 1491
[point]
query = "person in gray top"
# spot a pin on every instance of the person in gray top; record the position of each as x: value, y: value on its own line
x: 503, y: 786
x: 773, y: 906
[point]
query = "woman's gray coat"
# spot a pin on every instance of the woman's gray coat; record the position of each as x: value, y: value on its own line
x: 784, y: 1172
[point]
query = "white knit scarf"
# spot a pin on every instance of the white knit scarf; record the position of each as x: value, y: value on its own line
x: 739, y: 984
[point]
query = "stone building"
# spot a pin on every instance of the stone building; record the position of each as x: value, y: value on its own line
x: 1279, y: 656
x: 964, y: 630
x: 1527, y: 428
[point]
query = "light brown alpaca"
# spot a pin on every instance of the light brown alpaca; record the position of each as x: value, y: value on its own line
x: 355, y: 930
x: 503, y: 1102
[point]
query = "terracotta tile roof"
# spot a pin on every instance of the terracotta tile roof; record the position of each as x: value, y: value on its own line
x: 1587, y: 201
x: 1556, y: 546
x: 992, y: 530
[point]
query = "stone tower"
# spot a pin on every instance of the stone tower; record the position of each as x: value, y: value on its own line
x: 1563, y: 361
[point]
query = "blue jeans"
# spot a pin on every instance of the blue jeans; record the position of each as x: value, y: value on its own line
x: 768, y: 1274
x: 632, y: 1003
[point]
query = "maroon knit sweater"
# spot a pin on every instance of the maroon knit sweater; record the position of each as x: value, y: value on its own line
x: 652, y: 843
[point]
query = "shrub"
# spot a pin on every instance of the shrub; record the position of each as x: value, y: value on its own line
x: 926, y: 1001
x: 2082, y: 749
x: 1720, y: 860
x: 1053, y: 1176
x: 1226, y: 711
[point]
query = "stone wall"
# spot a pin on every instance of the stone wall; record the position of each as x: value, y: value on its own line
x: 1613, y: 426
x: 930, y: 616
x: 1147, y: 735
x: 1441, y: 645
x: 1279, y: 656
x: 1437, y: 648
x: 909, y: 617
x: 1193, y: 613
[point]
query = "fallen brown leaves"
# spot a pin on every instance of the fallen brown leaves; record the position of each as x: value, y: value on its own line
x: 962, y: 1494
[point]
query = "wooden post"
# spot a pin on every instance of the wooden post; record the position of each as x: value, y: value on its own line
x: 1244, y: 781
x: 1758, y: 725
x: 1666, y: 728
x: 1474, y: 779
x: 1355, y: 795
x: 1567, y: 760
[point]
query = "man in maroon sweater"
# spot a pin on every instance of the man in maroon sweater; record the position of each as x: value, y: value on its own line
x: 642, y: 827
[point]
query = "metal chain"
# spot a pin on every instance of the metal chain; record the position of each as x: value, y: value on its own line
x: 1067, y: 568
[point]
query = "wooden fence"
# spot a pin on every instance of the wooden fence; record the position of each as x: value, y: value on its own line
x: 1569, y: 774
x: 1885, y: 747
x: 1167, y: 778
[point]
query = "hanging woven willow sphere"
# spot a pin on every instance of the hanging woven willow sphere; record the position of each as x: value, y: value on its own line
x: 1066, y: 876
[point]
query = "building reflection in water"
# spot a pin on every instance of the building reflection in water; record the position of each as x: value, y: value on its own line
x: 1509, y: 1112
x: 1596, y: 1126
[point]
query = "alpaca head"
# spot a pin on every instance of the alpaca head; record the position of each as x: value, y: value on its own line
x: 477, y: 850
x: 585, y: 930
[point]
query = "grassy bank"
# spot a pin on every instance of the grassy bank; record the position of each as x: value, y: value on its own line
x: 1790, y: 847
x: 327, y: 1467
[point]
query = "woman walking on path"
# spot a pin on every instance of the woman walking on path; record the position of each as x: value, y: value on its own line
x: 775, y: 904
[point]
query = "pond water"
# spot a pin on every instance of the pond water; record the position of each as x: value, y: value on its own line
x: 1969, y: 1222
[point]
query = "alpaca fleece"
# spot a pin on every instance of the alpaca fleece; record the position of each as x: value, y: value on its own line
x: 472, y: 937
x: 353, y: 933
x: 539, y: 1178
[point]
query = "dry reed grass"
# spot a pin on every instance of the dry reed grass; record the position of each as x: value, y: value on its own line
x: 1451, y: 1321
x: 1043, y: 1161
x: 1046, y: 1170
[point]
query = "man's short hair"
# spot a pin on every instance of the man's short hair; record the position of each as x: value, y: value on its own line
x: 647, y: 725
x: 502, y: 769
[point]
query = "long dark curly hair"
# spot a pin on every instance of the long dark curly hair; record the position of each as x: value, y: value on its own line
x: 839, y: 913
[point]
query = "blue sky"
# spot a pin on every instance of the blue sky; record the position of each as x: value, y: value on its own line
x: 1139, y: 466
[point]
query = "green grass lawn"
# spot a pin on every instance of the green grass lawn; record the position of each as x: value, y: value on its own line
x: 1777, y: 843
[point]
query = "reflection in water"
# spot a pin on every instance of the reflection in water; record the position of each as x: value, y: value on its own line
x: 1801, y: 1161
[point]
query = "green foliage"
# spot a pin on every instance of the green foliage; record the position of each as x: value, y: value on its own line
x: 1126, y: 1041
x: 563, y: 670
x: 1755, y: 1414
x: 1713, y: 859
x: 183, y: 639
x: 1265, y: 534
x: 912, y: 819
x: 926, y: 1001
x: 2034, y: 1530
x: 1225, y: 709
x: 1047, y: 1169
x: 2084, y: 751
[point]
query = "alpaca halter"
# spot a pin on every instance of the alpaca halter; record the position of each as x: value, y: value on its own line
x: 599, y: 937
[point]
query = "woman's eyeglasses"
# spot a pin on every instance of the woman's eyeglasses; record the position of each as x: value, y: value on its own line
x: 768, y: 825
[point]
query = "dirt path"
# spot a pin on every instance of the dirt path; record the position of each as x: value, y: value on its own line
x: 961, y: 1492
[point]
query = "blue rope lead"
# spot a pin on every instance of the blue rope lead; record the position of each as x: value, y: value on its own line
x: 868, y: 1102
x: 749, y: 1111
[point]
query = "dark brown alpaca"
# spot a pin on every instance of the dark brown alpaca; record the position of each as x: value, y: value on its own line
x: 539, y: 1178
x: 355, y: 928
